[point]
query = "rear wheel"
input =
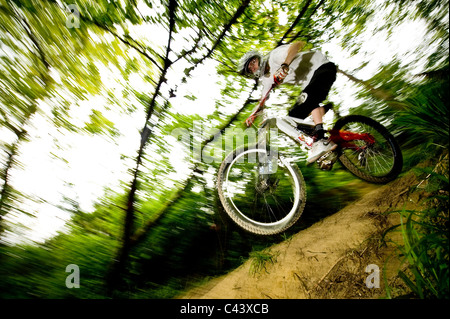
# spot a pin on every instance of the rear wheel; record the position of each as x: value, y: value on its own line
x: 261, y: 194
x: 377, y: 158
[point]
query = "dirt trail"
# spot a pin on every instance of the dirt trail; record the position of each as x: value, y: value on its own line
x: 327, y: 260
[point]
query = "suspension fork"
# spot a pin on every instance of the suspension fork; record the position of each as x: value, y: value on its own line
x: 267, y: 163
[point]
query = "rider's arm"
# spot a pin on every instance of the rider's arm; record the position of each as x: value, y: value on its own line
x: 283, y: 70
x: 267, y: 87
x: 294, y: 48
x: 268, y: 83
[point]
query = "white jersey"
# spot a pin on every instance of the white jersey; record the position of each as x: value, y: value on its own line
x: 301, y: 68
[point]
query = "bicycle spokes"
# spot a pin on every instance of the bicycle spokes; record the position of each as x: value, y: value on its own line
x: 261, y: 192
x: 366, y: 146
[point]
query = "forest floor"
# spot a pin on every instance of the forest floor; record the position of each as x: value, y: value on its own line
x: 328, y: 259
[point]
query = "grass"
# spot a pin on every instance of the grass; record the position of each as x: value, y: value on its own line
x: 260, y: 260
x: 424, y: 245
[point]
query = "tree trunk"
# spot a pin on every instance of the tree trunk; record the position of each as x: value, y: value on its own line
x: 130, y: 238
x: 5, y: 192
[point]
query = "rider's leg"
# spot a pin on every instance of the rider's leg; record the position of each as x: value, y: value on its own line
x: 314, y: 93
x: 317, y: 115
x: 321, y: 145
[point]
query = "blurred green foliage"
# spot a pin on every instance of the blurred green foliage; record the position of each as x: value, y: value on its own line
x: 178, y: 234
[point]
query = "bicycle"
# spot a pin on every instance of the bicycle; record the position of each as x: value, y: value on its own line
x: 264, y: 192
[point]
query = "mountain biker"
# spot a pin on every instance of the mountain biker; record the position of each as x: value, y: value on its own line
x: 310, y: 70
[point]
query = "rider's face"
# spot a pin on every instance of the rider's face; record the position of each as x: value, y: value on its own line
x: 253, y: 66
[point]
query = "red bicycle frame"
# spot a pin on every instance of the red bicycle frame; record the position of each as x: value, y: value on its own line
x: 344, y: 138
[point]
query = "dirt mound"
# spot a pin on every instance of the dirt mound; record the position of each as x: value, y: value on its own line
x: 327, y: 260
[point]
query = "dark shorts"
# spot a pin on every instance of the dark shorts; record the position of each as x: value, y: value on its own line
x: 317, y: 90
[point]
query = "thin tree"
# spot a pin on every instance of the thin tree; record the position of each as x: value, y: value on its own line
x: 129, y: 238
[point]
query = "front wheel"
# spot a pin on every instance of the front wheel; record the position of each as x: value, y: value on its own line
x: 262, y: 194
x: 368, y: 149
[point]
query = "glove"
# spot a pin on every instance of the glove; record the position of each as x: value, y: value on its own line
x: 281, y: 73
x: 256, y: 112
x: 249, y: 121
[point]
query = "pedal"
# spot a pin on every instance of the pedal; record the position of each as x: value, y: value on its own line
x: 324, y: 157
x: 327, y: 160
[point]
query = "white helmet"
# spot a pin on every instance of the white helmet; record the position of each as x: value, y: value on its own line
x: 245, y: 61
